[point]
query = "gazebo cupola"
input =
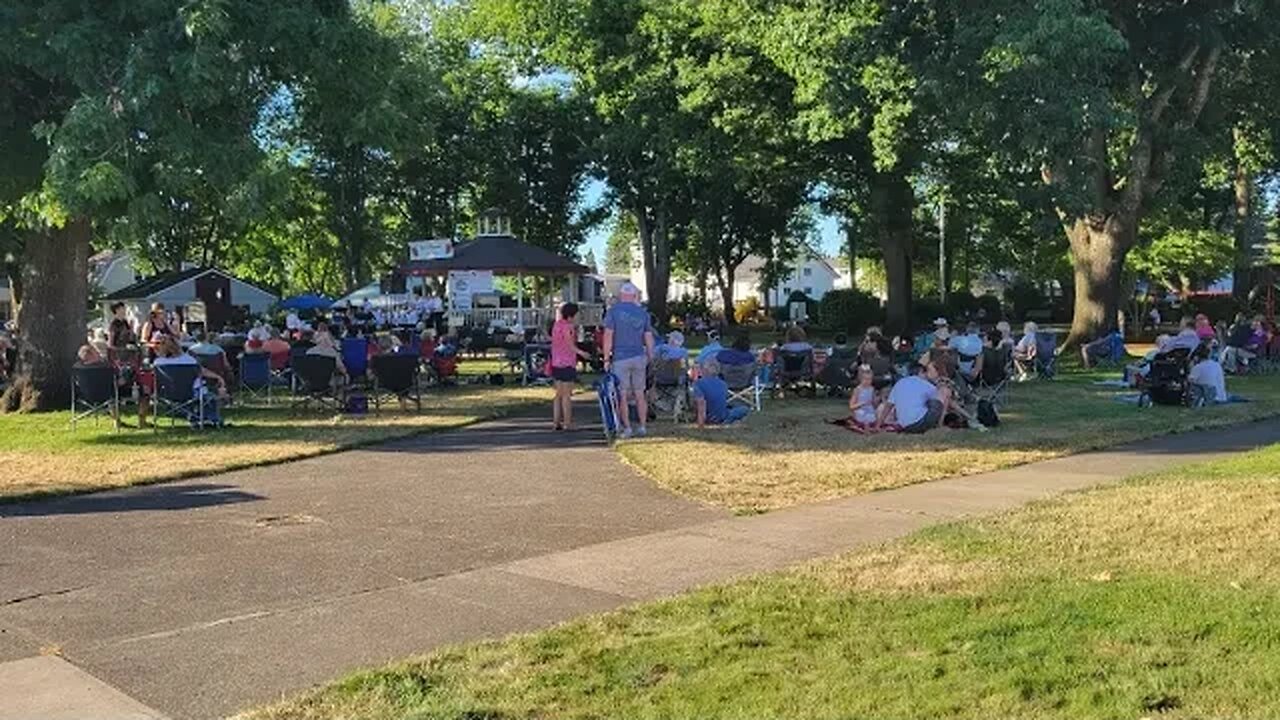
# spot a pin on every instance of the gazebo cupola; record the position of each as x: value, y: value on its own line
x: 494, y: 223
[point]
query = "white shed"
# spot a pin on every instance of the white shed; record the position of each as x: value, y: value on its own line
x: 221, y: 293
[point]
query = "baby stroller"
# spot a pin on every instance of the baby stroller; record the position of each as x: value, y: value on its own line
x: 1166, y: 381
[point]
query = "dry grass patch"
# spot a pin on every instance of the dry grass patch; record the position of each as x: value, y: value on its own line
x: 42, y: 455
x: 789, y: 454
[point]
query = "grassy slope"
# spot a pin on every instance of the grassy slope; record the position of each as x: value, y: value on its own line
x: 788, y: 455
x: 1158, y: 596
x: 42, y: 455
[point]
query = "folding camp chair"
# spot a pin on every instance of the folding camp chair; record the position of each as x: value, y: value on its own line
x: 744, y: 383
x: 256, y: 376
x: 793, y: 371
x: 94, y: 391
x: 214, y: 362
x: 313, y: 375
x: 396, y: 375
x: 176, y: 395
x: 1046, y: 355
x: 671, y: 388
x: 993, y: 383
x: 355, y: 356
x: 296, y: 353
x: 838, y: 374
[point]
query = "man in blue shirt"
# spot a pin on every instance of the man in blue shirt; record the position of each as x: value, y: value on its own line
x: 628, y: 350
x: 711, y: 398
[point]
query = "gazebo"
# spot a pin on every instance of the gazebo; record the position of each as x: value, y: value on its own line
x: 468, y: 268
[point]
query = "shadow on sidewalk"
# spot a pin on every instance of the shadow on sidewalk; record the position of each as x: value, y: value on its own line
x: 156, y: 497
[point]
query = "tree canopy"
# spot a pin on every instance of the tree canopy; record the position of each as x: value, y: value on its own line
x: 302, y: 143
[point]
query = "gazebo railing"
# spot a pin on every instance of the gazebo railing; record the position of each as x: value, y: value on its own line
x: 588, y: 314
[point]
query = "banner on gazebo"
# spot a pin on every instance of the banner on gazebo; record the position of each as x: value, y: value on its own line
x: 466, y: 284
x: 431, y: 249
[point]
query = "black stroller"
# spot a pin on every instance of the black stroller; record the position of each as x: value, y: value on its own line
x: 1166, y: 381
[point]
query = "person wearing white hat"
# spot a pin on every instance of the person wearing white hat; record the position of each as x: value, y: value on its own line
x: 673, y: 348
x: 628, y: 349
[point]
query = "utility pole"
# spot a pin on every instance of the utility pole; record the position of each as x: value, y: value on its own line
x: 944, y: 279
x: 851, y: 244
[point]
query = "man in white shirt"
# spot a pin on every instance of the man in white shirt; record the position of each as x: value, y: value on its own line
x: 1207, y: 378
x: 915, y: 404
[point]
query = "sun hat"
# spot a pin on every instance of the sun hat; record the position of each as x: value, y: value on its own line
x: 940, y: 322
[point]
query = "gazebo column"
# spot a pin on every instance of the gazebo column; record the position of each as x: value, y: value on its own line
x: 520, y: 300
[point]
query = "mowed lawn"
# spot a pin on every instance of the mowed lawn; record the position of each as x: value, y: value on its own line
x: 789, y: 454
x: 41, y: 454
x: 1154, y: 598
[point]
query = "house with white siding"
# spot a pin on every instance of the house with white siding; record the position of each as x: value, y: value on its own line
x: 812, y: 275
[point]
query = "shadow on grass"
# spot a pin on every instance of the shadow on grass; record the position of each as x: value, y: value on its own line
x: 153, y: 498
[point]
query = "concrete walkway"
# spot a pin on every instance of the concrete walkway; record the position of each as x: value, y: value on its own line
x: 203, y: 597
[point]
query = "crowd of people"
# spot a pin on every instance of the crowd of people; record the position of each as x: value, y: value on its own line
x: 136, y: 350
x: 901, y: 384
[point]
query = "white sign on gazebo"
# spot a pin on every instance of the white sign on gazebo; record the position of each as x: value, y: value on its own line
x: 465, y: 284
x: 431, y: 249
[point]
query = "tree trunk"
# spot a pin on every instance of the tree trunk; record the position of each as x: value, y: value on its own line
x: 51, y: 318
x: 655, y: 248
x: 892, y: 200
x: 1242, y: 277
x: 1098, y: 250
x: 725, y: 282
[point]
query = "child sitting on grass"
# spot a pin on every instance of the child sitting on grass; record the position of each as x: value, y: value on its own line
x: 865, y: 399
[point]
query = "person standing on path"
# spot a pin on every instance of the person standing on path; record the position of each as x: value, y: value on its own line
x: 628, y: 350
x: 564, y: 364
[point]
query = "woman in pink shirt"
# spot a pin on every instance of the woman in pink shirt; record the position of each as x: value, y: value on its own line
x: 564, y: 364
x: 1204, y: 329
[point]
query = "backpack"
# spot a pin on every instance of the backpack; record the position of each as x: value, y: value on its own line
x: 987, y: 414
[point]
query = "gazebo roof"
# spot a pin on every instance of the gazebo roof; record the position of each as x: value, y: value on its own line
x: 501, y: 254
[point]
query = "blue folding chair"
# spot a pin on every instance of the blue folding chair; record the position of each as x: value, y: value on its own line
x: 255, y: 375
x: 1046, y: 354
x: 355, y: 356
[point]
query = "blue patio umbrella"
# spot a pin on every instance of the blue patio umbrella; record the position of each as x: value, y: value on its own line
x: 307, y: 301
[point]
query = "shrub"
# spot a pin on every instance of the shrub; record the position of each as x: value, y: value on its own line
x: 990, y: 305
x: 848, y: 311
x: 961, y: 304
x: 924, y: 310
x: 746, y: 310
x: 687, y: 305
x: 1021, y: 297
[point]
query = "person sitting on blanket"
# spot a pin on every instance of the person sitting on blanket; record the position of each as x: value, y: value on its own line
x: 1208, y: 381
x: 916, y: 404
x: 711, y: 398
x: 864, y: 401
